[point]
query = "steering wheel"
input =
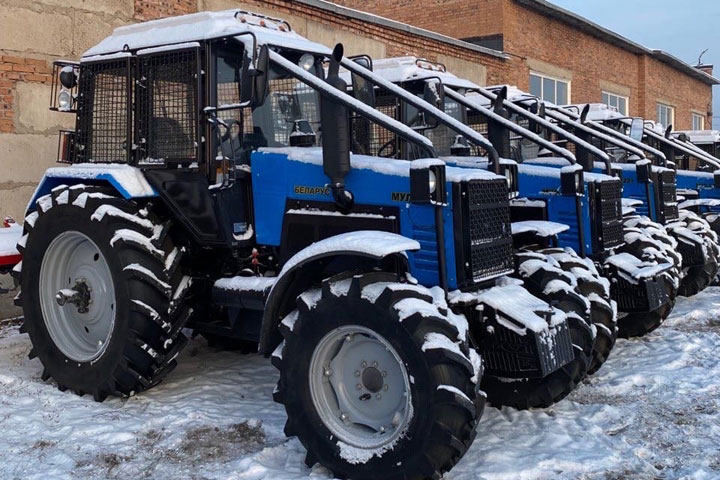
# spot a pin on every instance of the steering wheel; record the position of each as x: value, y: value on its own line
x: 387, y: 145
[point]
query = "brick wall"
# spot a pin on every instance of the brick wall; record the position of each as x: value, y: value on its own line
x: 539, y: 42
x: 12, y: 71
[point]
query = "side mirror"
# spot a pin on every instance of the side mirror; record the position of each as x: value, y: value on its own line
x: 434, y: 93
x: 261, y: 77
x: 362, y: 89
x: 636, y: 129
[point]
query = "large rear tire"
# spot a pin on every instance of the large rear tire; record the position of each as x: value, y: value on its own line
x: 102, y: 292
x: 544, y: 279
x: 378, y: 379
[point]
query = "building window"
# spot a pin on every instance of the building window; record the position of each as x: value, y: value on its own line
x: 617, y: 101
x: 698, y: 121
x: 665, y: 114
x: 550, y: 89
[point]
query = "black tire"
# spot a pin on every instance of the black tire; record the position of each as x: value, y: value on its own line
x: 444, y: 423
x: 696, y: 277
x: 150, y: 311
x: 544, y: 279
x: 649, y: 241
x: 603, y: 310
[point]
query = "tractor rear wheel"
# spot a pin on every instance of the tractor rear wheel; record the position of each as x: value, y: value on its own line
x: 378, y: 379
x: 101, y: 292
x: 544, y: 279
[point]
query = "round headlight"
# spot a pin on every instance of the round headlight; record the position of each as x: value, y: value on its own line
x: 577, y: 183
x: 64, y: 100
x: 306, y: 62
x: 509, y: 178
x: 432, y: 181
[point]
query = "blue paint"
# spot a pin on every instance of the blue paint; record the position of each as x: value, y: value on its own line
x: 277, y: 179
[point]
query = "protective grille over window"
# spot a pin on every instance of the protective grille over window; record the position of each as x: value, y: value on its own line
x: 292, y: 100
x: 102, y: 125
x: 373, y: 139
x: 167, y: 107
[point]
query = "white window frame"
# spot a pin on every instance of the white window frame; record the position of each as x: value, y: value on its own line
x: 617, y: 98
x: 698, y: 116
x: 670, y: 109
x: 555, y: 79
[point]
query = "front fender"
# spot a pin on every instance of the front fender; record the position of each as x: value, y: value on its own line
x: 307, y: 266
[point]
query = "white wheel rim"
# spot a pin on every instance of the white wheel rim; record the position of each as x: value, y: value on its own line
x: 73, y: 262
x: 360, y: 387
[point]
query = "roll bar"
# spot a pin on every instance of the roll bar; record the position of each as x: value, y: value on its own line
x: 550, y: 126
x: 403, y: 131
x: 512, y: 126
x: 678, y: 145
x: 420, y: 104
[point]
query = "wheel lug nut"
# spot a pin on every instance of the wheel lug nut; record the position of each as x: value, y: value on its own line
x: 382, y: 429
x: 358, y: 386
x: 357, y: 373
x: 343, y: 417
x: 375, y: 364
x: 378, y: 396
x: 364, y: 364
x: 348, y: 338
x: 386, y: 387
x: 328, y: 371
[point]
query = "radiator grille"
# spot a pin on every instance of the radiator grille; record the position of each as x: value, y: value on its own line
x: 668, y: 195
x: 609, y: 217
x: 486, y: 249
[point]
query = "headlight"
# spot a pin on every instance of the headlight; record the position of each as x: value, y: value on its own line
x: 578, y: 182
x: 508, y: 178
x: 432, y: 182
x: 306, y: 62
x: 64, y: 100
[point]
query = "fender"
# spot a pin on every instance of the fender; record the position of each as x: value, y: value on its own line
x: 308, y: 265
x: 128, y: 181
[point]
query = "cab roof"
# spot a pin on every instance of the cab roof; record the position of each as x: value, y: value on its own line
x: 204, y: 26
x: 700, y: 136
x: 405, y: 69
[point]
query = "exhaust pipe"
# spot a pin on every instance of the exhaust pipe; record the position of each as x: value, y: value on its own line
x: 336, y: 136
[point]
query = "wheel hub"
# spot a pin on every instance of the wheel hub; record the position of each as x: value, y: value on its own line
x: 360, y: 387
x: 79, y: 296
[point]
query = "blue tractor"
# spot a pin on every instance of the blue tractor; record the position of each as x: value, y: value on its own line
x: 673, y: 172
x: 209, y: 184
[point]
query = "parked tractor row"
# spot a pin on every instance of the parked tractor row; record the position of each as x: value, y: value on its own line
x: 404, y: 244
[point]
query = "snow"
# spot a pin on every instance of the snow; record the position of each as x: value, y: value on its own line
x: 128, y: 178
x: 132, y: 236
x: 136, y: 267
x: 113, y: 211
x: 708, y: 202
x: 702, y: 137
x: 203, y: 26
x: 652, y: 411
x: 635, y: 267
x: 9, y: 238
x: 542, y: 228
x: 405, y: 69
x: 329, y: 213
x: 168, y: 48
x: 424, y: 163
x: 246, y: 284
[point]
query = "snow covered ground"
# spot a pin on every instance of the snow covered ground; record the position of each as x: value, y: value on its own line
x: 653, y: 411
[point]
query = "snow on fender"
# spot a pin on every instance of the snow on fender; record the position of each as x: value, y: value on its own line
x: 364, y: 243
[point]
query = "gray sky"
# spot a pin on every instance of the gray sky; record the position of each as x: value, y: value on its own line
x: 682, y: 28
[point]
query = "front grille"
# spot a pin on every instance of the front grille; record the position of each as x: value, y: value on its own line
x: 668, y: 196
x: 482, y: 227
x: 608, y: 214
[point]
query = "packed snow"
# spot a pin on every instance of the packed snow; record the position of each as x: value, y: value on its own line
x: 652, y: 411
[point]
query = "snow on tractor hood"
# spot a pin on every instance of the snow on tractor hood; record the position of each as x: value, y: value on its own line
x: 384, y: 166
x: 204, y: 26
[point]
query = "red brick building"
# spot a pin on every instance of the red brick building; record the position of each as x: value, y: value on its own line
x: 559, y: 54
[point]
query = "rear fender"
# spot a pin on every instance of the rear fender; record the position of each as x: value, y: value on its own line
x: 361, y: 251
x: 128, y: 181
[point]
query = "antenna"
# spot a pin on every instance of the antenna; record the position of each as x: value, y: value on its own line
x: 700, y: 57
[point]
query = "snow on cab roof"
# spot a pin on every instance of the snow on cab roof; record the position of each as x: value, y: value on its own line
x: 405, y: 69
x: 700, y: 136
x: 204, y: 26
x: 600, y: 112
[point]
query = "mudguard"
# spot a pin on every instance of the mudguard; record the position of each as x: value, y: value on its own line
x: 128, y: 181
x: 360, y: 245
